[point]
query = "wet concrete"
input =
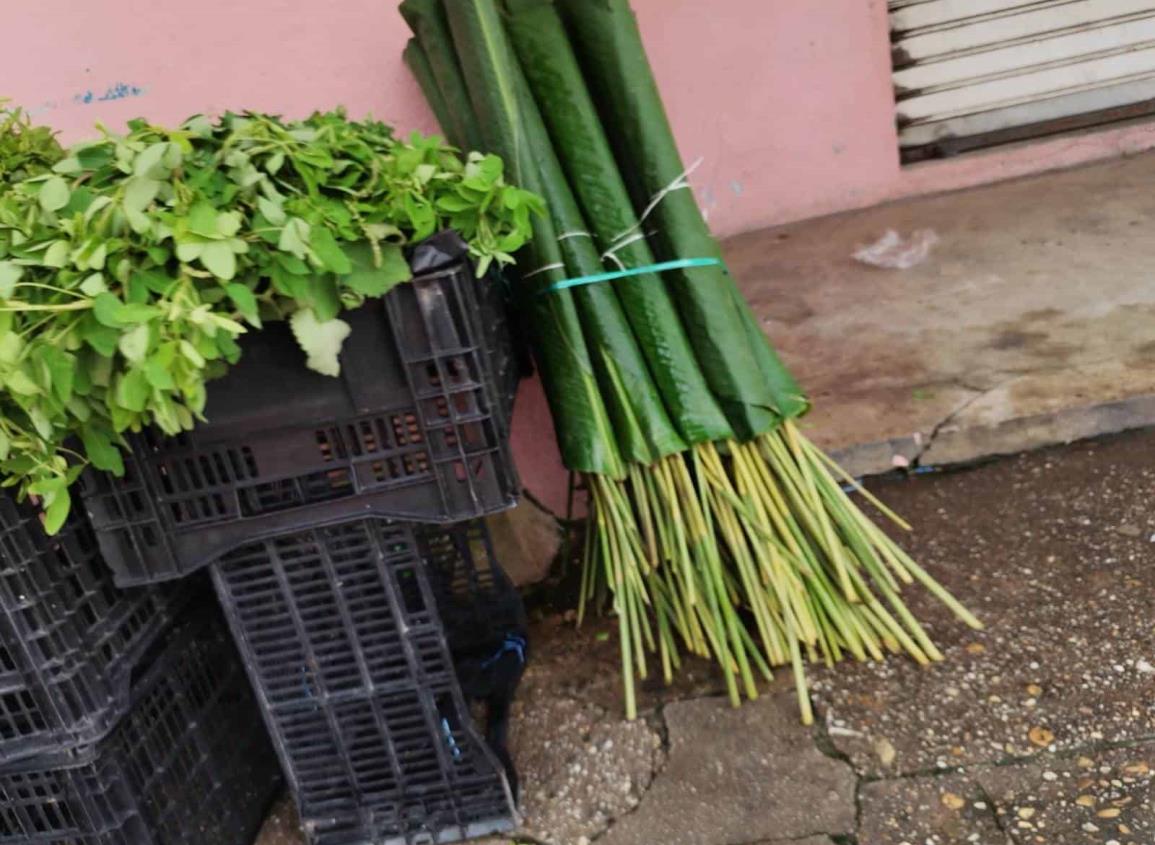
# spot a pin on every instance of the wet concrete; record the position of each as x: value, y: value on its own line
x: 1052, y: 551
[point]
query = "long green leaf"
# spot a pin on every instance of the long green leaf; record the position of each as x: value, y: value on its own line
x: 549, y: 64
x: 583, y: 428
x: 417, y: 61
x: 643, y: 428
x: 427, y: 20
x: 746, y: 375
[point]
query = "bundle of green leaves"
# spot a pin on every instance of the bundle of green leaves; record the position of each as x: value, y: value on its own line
x: 128, y: 271
x: 25, y: 149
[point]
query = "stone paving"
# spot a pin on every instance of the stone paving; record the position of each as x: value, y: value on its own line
x: 1039, y: 729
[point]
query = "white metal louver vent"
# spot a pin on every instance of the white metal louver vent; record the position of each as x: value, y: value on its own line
x: 971, y: 73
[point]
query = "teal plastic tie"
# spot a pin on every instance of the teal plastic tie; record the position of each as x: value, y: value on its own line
x: 661, y: 267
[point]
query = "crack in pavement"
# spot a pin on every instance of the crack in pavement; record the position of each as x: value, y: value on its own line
x: 1000, y: 378
x: 824, y: 742
x: 952, y: 416
x: 980, y: 388
x: 992, y: 807
x: 728, y: 803
x: 859, y: 811
x: 658, y: 716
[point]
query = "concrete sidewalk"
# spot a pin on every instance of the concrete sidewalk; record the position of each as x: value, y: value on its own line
x: 1031, y: 322
x: 1039, y: 730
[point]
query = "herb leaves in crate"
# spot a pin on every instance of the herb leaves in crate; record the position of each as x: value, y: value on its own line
x: 128, y: 271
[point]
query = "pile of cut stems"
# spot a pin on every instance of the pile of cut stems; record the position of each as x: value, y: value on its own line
x: 716, y: 528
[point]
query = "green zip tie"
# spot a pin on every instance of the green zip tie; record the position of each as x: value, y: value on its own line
x: 661, y: 267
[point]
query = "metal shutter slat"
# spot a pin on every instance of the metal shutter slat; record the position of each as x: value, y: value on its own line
x: 1024, y: 87
x: 968, y: 67
x: 907, y: 16
x: 1019, y: 25
x: 1055, y: 108
x: 1063, y: 49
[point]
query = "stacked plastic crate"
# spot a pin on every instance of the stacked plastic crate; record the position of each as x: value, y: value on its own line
x: 124, y: 716
x: 339, y: 517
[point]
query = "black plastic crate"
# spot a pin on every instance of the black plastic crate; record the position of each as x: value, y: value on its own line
x: 414, y: 428
x: 508, y: 358
x: 485, y: 625
x: 340, y: 633
x: 478, y: 605
x: 188, y: 765
x: 68, y: 636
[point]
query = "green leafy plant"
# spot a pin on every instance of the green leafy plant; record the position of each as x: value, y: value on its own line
x: 128, y: 271
x: 25, y: 149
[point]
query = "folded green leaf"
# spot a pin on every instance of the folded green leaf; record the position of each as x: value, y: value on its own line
x: 54, y: 194
x: 56, y: 255
x: 444, y: 82
x: 150, y: 163
x: 93, y: 285
x: 99, y: 449
x: 19, y: 382
x: 370, y: 279
x: 497, y: 92
x: 325, y: 247
x: 134, y: 343
x: 273, y: 212
x: 245, y: 301
x: 219, y: 259
x: 321, y: 340
x: 61, y: 367
x: 139, y: 194
x: 9, y: 275
x: 295, y: 238
x: 56, y: 510
x: 581, y: 144
x: 133, y: 390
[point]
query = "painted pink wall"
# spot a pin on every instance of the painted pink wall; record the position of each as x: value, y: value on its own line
x: 189, y: 56
x: 788, y: 104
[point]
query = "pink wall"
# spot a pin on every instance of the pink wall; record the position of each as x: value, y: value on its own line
x: 790, y: 106
x: 787, y: 103
x: 188, y: 56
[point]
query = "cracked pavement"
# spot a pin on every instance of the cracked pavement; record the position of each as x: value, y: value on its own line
x: 1039, y: 729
